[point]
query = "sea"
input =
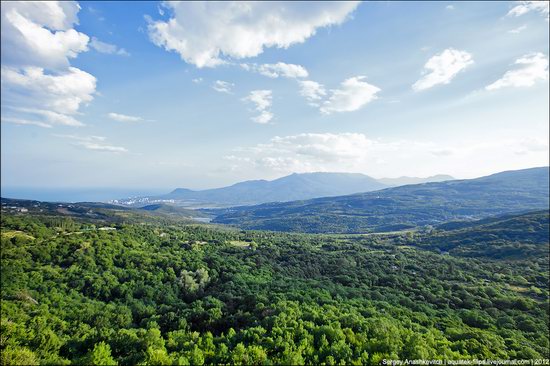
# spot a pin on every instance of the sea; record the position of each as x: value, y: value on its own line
x: 78, y: 194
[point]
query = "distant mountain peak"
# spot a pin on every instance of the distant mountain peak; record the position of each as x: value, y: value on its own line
x: 295, y: 186
x: 399, y: 208
x: 180, y: 190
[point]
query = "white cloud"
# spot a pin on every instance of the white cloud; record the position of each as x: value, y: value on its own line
x: 356, y: 152
x: 102, y: 147
x: 263, y: 117
x: 50, y: 116
x: 107, y: 48
x: 262, y: 100
x: 518, y: 29
x: 450, y: 7
x: 312, y: 91
x: 197, y: 80
x: 123, y: 117
x: 62, y: 92
x: 353, y: 94
x: 222, y: 86
x: 210, y: 33
x: 532, y: 68
x: 81, y: 138
x: 309, y: 152
x: 21, y: 121
x: 38, y: 42
x: 531, y: 145
x: 96, y: 143
x: 524, y: 7
x: 280, y: 69
x: 40, y: 33
x: 442, y: 68
x: 325, y: 146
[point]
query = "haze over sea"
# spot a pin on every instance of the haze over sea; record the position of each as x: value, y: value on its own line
x: 89, y: 194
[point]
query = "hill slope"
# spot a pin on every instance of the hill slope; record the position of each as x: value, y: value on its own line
x: 401, y: 207
x: 101, y: 213
x: 161, y: 294
x: 505, y: 237
x: 289, y: 188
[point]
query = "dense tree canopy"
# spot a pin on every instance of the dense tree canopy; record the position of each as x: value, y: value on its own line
x: 154, y: 293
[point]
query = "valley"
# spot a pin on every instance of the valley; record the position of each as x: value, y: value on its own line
x: 399, y: 208
x: 274, y: 183
x: 131, y: 288
x: 452, y: 270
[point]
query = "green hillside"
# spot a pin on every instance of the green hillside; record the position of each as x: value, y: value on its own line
x: 512, y: 237
x: 164, y: 293
x: 400, y: 207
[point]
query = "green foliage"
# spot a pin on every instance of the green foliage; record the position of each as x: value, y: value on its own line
x: 18, y: 356
x: 511, y: 237
x: 132, y: 296
x: 100, y: 355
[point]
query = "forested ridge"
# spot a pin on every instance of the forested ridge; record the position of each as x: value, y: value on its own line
x: 399, y: 208
x: 76, y: 291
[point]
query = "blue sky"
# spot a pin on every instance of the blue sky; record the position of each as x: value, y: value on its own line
x: 162, y: 95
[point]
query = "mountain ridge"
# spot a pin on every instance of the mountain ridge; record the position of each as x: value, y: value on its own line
x: 401, y: 207
x: 296, y: 186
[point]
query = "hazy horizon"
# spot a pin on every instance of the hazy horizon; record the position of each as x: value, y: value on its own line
x: 103, y: 194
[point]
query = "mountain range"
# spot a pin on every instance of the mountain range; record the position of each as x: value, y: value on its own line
x: 289, y: 188
x: 401, y: 207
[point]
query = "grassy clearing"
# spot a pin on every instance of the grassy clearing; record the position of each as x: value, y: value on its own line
x: 13, y: 233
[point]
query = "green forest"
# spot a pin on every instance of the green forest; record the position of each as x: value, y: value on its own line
x: 154, y: 292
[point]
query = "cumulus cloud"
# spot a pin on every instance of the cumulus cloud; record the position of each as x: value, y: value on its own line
x: 524, y: 7
x: 280, y: 69
x: 38, y: 42
x: 309, y: 152
x: 123, y: 117
x: 262, y: 100
x: 62, y: 92
x: 208, y: 34
x: 222, y: 86
x: 111, y: 49
x: 325, y: 146
x: 442, y: 68
x: 531, y: 68
x: 96, y: 143
x: 356, y: 152
x: 40, y: 33
x: 312, y: 91
x: 352, y: 94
